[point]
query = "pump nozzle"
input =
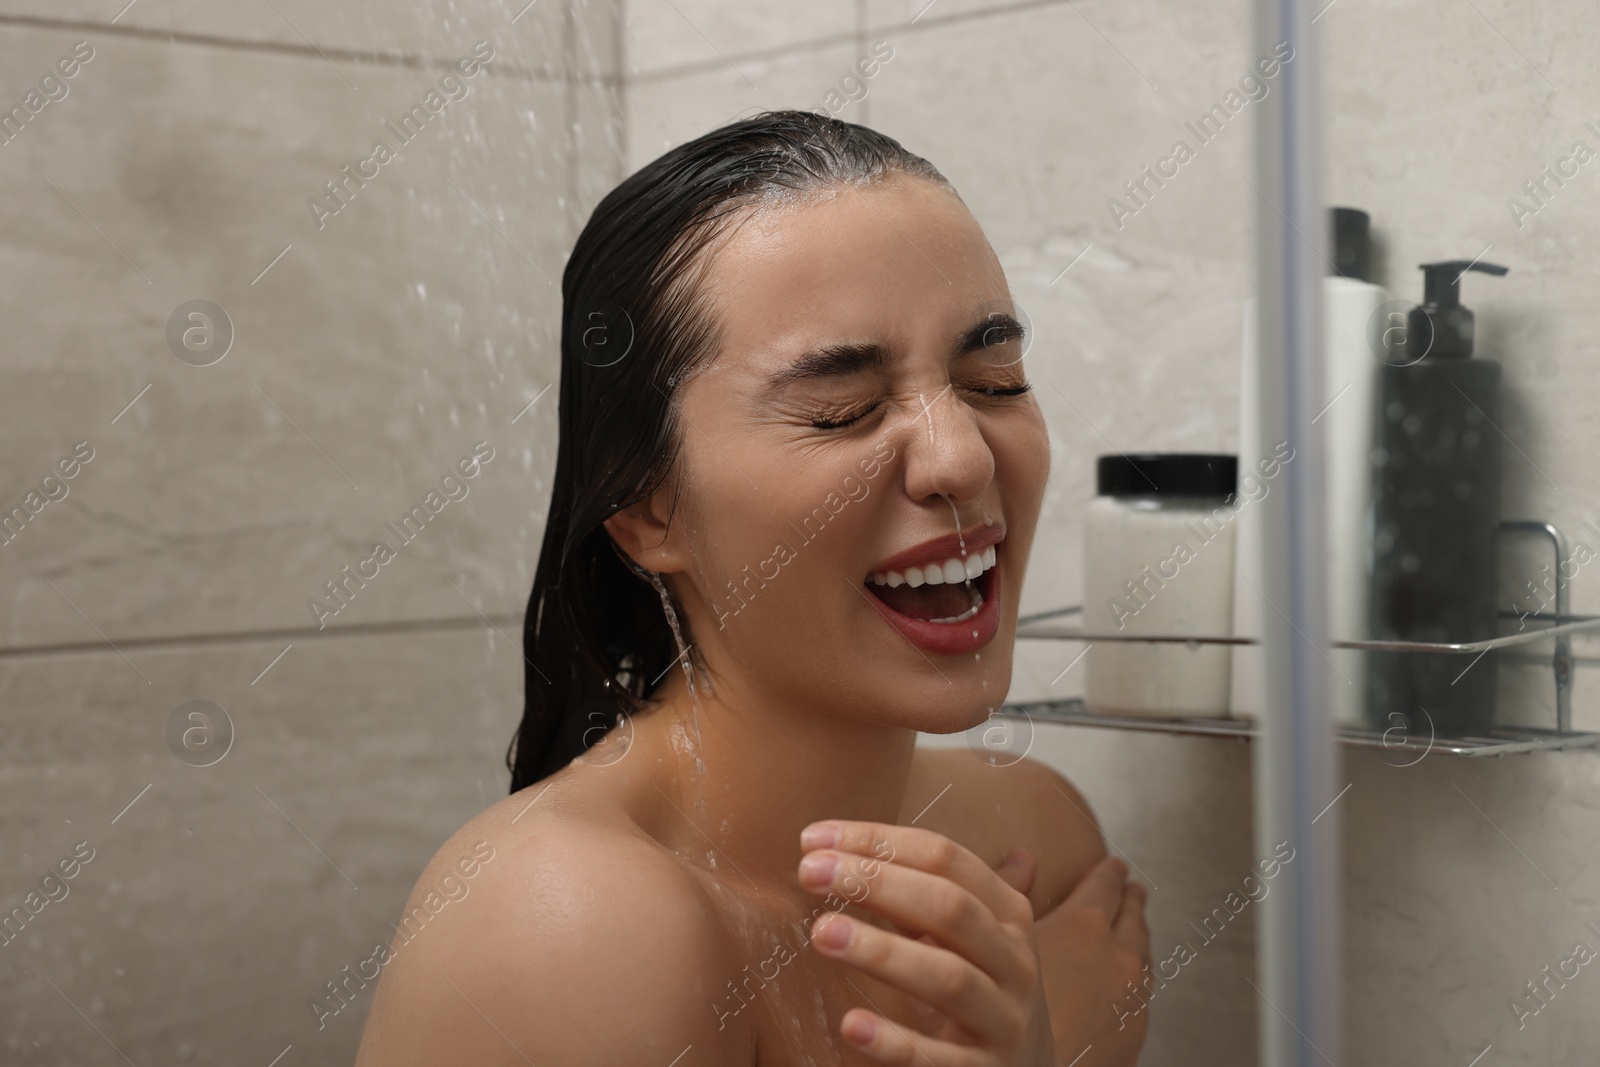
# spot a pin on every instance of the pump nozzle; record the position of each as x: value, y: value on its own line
x: 1440, y: 325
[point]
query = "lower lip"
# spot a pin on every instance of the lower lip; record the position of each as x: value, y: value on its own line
x: 952, y: 638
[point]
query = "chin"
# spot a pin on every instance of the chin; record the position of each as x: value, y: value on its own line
x: 940, y: 708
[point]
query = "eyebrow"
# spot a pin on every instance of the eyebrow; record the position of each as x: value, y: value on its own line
x: 842, y: 360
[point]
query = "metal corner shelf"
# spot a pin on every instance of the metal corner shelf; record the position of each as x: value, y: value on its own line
x: 1501, y: 741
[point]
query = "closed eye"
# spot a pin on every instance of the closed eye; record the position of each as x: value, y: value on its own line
x: 844, y: 421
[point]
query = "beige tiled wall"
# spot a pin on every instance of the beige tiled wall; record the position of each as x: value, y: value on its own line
x: 219, y: 900
x: 372, y: 353
x: 369, y: 355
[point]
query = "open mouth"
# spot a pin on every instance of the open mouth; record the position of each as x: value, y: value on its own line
x: 945, y: 592
x: 943, y: 596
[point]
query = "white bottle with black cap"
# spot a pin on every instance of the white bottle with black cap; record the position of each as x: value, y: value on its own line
x: 1356, y: 325
x: 1158, y: 559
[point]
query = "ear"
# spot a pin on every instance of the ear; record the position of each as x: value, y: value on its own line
x: 642, y: 532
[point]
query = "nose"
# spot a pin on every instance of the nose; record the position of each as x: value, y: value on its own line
x: 946, y: 452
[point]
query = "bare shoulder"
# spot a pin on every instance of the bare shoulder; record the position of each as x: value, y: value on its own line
x: 551, y: 935
x: 994, y: 807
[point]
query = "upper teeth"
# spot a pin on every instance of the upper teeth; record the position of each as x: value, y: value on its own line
x: 952, y: 570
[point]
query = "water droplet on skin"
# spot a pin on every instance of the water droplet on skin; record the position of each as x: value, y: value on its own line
x: 956, y: 518
x: 687, y: 664
x: 933, y: 446
x: 677, y: 636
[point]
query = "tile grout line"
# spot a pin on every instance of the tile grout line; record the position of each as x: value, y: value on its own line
x: 243, y: 637
x: 387, y: 59
x: 624, y: 87
x: 851, y: 37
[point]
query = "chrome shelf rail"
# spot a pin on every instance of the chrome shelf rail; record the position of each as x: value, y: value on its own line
x: 1502, y: 741
x: 1576, y: 624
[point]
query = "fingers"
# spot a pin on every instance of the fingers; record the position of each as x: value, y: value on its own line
x: 887, y: 1042
x: 934, y: 975
x: 923, y: 850
x: 1134, y: 895
x: 1101, y: 888
x: 1130, y: 927
x: 1019, y: 870
x: 917, y: 902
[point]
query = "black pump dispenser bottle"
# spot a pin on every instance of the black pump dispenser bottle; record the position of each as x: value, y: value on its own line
x: 1436, y: 512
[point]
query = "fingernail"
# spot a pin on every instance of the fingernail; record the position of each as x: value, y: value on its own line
x: 834, y: 932
x: 817, y: 868
x: 819, y: 835
x: 1016, y: 856
x: 860, y: 1029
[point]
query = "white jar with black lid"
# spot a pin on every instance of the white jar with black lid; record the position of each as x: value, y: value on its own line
x: 1158, y: 559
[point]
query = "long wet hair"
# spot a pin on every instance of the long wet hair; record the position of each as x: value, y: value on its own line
x: 596, y: 638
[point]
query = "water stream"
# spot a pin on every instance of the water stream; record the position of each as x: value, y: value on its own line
x: 686, y: 662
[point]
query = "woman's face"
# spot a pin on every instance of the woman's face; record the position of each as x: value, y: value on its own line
x: 865, y: 414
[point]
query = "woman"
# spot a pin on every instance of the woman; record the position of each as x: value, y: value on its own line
x: 798, y: 480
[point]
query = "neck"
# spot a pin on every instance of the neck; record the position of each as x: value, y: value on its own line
x: 758, y: 769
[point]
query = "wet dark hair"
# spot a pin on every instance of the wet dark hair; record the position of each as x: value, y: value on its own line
x: 596, y: 637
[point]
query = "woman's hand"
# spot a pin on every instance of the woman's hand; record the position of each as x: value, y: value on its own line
x: 1093, y: 945
x: 963, y: 944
